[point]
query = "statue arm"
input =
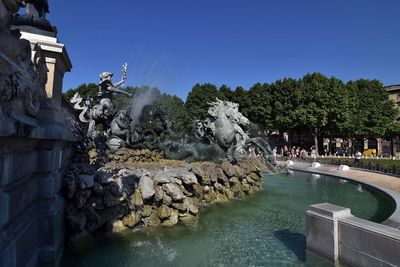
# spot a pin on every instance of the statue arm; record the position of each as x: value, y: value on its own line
x: 118, y: 91
x: 118, y: 84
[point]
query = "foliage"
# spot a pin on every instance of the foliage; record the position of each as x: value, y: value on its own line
x: 175, y: 111
x: 83, y: 90
x: 372, y: 113
x: 198, y: 99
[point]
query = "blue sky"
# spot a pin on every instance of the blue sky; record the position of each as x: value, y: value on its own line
x: 175, y: 44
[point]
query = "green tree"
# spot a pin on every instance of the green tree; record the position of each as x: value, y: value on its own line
x: 260, y: 110
x: 83, y: 90
x: 372, y: 112
x: 313, y: 112
x: 175, y: 111
x: 286, y: 97
x: 198, y: 99
x: 226, y: 93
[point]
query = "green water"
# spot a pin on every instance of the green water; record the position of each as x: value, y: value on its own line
x: 266, y: 229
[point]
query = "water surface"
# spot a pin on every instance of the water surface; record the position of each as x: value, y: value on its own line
x: 266, y: 229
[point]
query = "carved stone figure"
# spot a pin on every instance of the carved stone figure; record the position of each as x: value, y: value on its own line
x: 23, y: 73
x: 34, y: 20
x: 107, y: 87
x: 100, y: 111
x: 121, y: 126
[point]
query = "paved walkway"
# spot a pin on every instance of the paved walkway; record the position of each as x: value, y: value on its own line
x: 386, y: 183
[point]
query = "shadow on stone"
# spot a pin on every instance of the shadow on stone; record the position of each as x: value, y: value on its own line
x: 296, y: 242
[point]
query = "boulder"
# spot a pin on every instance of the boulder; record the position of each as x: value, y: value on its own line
x: 146, y: 186
x: 86, y: 181
x: 118, y: 226
x: 146, y: 211
x: 219, y: 187
x: 239, y: 172
x: 91, y: 214
x: 187, y: 177
x: 70, y: 184
x: 152, y: 220
x: 228, y: 169
x: 81, y: 197
x: 173, y: 191
x: 131, y: 220
x: 162, y: 177
x: 109, y: 199
x: 164, y: 212
x: 167, y: 200
x: 136, y: 198
x: 172, y: 220
x: 234, y: 180
x: 229, y: 193
x: 189, y: 219
x: 180, y: 206
x: 98, y: 188
x: 159, y: 193
x: 176, y: 181
x: 191, y: 206
x: 104, y: 176
x: 221, y: 198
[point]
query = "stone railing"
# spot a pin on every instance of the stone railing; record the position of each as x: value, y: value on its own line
x: 334, y: 232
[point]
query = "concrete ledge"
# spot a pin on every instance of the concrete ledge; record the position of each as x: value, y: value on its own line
x: 333, y: 232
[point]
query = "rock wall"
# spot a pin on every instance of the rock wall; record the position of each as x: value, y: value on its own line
x: 124, y: 195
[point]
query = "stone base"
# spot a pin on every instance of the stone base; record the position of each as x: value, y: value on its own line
x: 152, y: 193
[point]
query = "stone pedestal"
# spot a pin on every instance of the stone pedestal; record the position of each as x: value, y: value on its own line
x: 57, y: 61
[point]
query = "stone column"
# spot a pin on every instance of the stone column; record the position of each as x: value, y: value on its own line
x: 57, y: 61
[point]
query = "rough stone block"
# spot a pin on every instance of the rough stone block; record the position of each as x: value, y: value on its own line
x: 51, y: 225
x: 17, y: 165
x: 49, y: 185
x: 49, y: 160
x: 8, y: 257
x: 26, y: 245
x: 4, y: 208
x: 21, y: 198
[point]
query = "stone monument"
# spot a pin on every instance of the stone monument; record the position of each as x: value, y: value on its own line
x: 34, y: 27
x: 35, y: 147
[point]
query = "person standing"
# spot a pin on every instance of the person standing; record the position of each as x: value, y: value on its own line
x: 274, y: 152
x: 303, y: 154
x: 313, y: 153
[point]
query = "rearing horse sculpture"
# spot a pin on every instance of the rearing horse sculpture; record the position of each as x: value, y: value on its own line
x: 226, y: 120
x: 224, y: 123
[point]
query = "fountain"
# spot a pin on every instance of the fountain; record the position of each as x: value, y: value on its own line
x: 140, y: 172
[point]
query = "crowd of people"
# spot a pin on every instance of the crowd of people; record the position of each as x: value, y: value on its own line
x: 301, y: 153
x: 295, y: 152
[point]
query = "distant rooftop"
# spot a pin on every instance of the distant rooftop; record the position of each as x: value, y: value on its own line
x: 392, y: 87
